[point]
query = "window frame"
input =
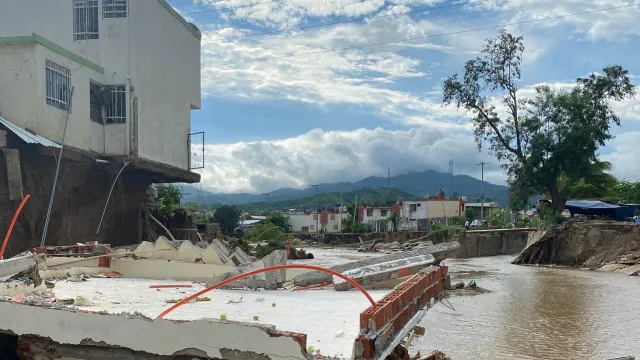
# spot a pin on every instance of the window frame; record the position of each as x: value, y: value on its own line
x: 383, y: 213
x: 81, y: 27
x: 369, y: 212
x: 120, y: 117
x: 113, y: 8
x: 58, y: 85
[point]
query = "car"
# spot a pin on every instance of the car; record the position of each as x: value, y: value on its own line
x: 477, y: 223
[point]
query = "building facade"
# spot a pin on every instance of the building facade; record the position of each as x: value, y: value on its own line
x: 134, y: 67
x: 124, y: 76
x: 310, y: 222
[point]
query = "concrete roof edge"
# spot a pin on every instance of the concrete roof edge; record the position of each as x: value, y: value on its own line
x: 191, y: 27
x: 53, y: 47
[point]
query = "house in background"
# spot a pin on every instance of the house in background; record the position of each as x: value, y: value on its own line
x: 127, y: 75
x: 484, y: 208
x: 329, y: 221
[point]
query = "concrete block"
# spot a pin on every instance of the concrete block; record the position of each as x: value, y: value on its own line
x: 253, y: 282
x: 219, y: 245
x: 146, y: 250
x: 210, y: 256
x: 188, y: 252
x: 165, y: 249
x: 274, y: 278
x: 3, y: 138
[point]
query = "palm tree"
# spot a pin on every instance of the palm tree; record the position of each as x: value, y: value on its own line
x: 596, y: 184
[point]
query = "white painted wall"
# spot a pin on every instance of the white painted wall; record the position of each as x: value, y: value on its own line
x: 298, y: 221
x: 150, y: 50
x: 420, y: 213
x: 443, y: 209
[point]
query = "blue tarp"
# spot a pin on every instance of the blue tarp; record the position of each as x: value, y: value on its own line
x: 601, y: 208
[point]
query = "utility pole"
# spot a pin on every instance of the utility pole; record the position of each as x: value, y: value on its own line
x: 268, y: 195
x: 355, y: 210
x: 451, y: 176
x: 340, y: 212
x: 315, y: 200
x: 482, y: 164
x: 386, y: 195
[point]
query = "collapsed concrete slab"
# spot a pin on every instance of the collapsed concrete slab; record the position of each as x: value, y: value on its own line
x: 269, y: 280
x: 386, y: 271
x: 439, y: 252
x: 50, y: 333
x: 17, y: 264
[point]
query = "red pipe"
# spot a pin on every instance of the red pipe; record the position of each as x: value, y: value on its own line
x: 259, y: 271
x: 13, y: 222
x: 316, y: 286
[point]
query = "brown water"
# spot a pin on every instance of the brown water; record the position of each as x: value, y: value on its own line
x: 536, y: 313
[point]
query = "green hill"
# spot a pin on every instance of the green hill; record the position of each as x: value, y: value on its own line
x: 330, y: 200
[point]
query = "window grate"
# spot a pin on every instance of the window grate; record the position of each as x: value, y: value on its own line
x: 114, y: 9
x: 58, y: 80
x: 117, y: 109
x: 85, y: 19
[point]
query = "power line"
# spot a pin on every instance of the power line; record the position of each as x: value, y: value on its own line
x: 400, y: 14
x: 422, y: 37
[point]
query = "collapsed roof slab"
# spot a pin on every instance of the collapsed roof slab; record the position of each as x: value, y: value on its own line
x: 207, y: 339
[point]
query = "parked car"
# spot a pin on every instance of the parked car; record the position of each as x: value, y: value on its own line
x: 477, y: 224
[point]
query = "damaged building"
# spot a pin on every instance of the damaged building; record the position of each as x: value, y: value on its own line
x: 113, y: 83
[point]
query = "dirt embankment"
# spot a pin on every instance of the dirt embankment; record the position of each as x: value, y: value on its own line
x: 605, y: 246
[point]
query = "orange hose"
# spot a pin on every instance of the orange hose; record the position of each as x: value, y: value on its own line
x: 316, y: 286
x: 259, y: 271
x: 13, y: 222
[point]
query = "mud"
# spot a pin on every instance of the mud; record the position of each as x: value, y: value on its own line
x: 605, y: 246
x: 83, y: 186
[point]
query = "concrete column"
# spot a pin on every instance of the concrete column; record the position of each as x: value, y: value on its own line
x: 14, y: 175
x: 3, y: 138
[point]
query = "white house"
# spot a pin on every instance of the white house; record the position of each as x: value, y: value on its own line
x: 133, y: 65
x: 329, y: 222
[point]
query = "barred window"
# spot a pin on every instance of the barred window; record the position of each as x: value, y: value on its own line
x: 58, y: 80
x: 113, y: 9
x: 117, y: 108
x: 85, y: 19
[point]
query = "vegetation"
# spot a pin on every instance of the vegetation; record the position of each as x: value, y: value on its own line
x: 169, y: 197
x: 281, y: 221
x: 267, y: 236
x: 546, y: 141
x: 442, y: 232
x: 625, y: 192
x: 325, y: 200
x: 228, y: 217
x: 499, y: 219
x: 469, y: 215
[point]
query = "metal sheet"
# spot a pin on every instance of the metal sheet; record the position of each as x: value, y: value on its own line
x: 27, y: 136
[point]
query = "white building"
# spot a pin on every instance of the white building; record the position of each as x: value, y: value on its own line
x: 311, y: 223
x: 133, y: 65
x: 377, y: 218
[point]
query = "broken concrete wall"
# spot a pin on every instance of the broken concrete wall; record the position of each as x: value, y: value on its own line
x: 269, y: 280
x: 82, y: 192
x: 490, y: 243
x: 200, y: 339
x: 439, y: 252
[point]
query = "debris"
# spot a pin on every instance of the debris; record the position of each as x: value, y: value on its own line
x: 70, y: 301
x: 273, y: 305
x: 340, y: 334
x: 112, y: 274
x: 223, y: 316
x: 169, y: 286
x: 80, y: 301
x: 390, y: 270
x: 255, y: 318
x: 259, y: 299
x: 18, y: 298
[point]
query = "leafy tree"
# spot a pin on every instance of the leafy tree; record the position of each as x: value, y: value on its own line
x: 556, y: 133
x: 596, y: 184
x: 169, y: 197
x: 227, y: 217
x: 625, y: 192
x: 498, y: 219
x: 469, y: 215
x: 191, y: 206
x: 281, y: 221
x: 268, y: 237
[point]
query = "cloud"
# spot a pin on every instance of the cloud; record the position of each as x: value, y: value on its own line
x: 623, y: 156
x: 329, y: 156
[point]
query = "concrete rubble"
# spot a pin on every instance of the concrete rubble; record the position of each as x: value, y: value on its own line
x: 439, y: 252
x: 382, y: 272
x: 269, y: 280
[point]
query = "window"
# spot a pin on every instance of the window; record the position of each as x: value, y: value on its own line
x: 383, y: 213
x: 95, y: 102
x: 114, y: 9
x: 58, y: 85
x: 335, y: 227
x: 85, y: 19
x: 117, y: 105
x: 315, y: 217
x: 312, y: 227
x: 413, y: 207
x: 369, y: 212
x: 333, y: 217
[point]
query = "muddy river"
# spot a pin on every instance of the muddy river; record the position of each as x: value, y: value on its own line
x: 535, y: 313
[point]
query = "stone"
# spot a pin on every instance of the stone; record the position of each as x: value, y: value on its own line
x: 459, y: 285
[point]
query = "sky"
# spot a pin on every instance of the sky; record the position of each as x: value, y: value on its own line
x: 289, y: 98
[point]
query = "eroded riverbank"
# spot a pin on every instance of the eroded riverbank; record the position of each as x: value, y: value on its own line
x: 535, y: 313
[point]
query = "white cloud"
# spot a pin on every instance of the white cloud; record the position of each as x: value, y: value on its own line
x: 329, y: 156
x: 623, y: 156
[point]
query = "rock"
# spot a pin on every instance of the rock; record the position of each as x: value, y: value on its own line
x: 611, y: 267
x: 630, y: 270
x: 459, y: 285
x: 471, y: 285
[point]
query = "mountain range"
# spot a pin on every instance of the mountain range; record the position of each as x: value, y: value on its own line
x: 416, y: 183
